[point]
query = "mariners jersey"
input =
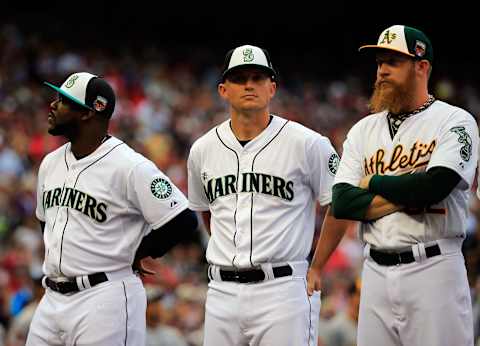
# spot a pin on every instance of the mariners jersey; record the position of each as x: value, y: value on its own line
x: 97, y: 209
x: 440, y: 136
x: 262, y: 195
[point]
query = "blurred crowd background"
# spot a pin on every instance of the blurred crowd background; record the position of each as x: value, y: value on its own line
x: 167, y: 98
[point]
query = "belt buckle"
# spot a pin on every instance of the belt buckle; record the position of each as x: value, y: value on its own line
x: 61, y: 285
x: 54, y: 286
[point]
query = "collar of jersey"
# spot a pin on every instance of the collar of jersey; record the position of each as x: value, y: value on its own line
x: 403, y: 116
x: 226, y: 134
x: 103, y: 149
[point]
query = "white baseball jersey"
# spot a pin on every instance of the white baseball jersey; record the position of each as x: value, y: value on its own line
x: 97, y: 209
x: 440, y: 136
x: 262, y: 195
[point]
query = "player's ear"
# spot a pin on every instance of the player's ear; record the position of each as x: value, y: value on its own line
x: 87, y: 114
x: 424, y: 66
x: 222, y: 91
x: 273, y: 88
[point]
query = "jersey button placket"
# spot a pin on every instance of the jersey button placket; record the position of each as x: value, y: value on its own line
x: 239, y: 204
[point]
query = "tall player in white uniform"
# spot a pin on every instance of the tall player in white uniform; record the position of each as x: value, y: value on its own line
x: 256, y: 179
x: 406, y: 173
x: 100, y: 204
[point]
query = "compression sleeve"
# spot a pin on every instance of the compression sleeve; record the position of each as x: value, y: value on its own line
x: 159, y: 241
x: 417, y: 190
x: 350, y: 202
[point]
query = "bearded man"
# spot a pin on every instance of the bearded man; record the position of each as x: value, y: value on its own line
x: 406, y: 174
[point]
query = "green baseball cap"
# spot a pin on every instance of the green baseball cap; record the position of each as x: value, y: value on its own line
x: 405, y: 40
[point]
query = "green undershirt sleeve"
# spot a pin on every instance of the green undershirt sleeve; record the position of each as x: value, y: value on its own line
x: 350, y: 202
x: 417, y: 190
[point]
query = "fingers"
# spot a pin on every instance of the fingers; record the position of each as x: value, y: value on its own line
x: 142, y: 271
x: 310, y: 286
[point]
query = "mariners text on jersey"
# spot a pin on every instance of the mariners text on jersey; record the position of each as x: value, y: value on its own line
x: 250, y: 182
x: 75, y: 199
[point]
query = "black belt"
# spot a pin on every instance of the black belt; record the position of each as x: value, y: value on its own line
x: 392, y: 258
x: 253, y: 275
x: 70, y: 285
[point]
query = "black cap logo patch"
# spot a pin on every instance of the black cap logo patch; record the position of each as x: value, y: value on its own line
x: 100, y: 103
x: 161, y: 188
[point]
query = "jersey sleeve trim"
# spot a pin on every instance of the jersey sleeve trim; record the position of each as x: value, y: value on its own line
x: 181, y: 207
x: 197, y: 207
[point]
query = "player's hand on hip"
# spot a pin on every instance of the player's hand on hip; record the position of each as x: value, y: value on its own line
x: 314, y: 281
x: 140, y: 269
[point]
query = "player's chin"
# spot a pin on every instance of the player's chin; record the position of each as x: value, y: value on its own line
x: 252, y: 105
x: 55, y: 130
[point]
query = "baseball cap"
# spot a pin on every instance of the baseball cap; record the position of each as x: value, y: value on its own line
x: 89, y: 91
x: 248, y: 55
x: 405, y: 40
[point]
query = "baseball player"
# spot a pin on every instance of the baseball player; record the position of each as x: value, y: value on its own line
x: 256, y: 179
x: 406, y: 173
x: 100, y: 204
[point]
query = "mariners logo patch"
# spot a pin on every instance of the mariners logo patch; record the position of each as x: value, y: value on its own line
x: 71, y: 81
x: 161, y: 188
x: 333, y: 163
x: 465, y: 139
x: 248, y: 55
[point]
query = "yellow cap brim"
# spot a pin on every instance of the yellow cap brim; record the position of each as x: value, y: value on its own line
x: 386, y: 47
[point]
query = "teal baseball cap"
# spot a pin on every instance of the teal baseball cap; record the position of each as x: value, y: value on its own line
x: 89, y: 91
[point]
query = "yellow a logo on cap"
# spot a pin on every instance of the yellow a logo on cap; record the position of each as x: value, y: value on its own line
x: 388, y: 37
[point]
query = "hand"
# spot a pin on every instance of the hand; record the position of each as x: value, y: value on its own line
x: 140, y: 269
x: 365, y: 181
x: 314, y: 281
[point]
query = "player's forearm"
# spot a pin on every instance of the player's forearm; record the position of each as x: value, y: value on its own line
x: 331, y: 234
x: 206, y: 216
x: 380, y: 207
x: 350, y: 202
x: 159, y: 241
x: 417, y: 190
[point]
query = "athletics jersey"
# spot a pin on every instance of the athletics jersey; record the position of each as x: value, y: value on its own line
x: 262, y: 195
x: 97, y: 209
x: 440, y: 136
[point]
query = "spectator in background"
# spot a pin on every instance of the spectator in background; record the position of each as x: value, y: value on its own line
x: 341, y: 330
x: 158, y: 333
x: 18, y: 330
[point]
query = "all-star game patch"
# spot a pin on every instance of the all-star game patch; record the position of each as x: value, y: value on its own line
x: 333, y: 162
x: 161, y: 188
